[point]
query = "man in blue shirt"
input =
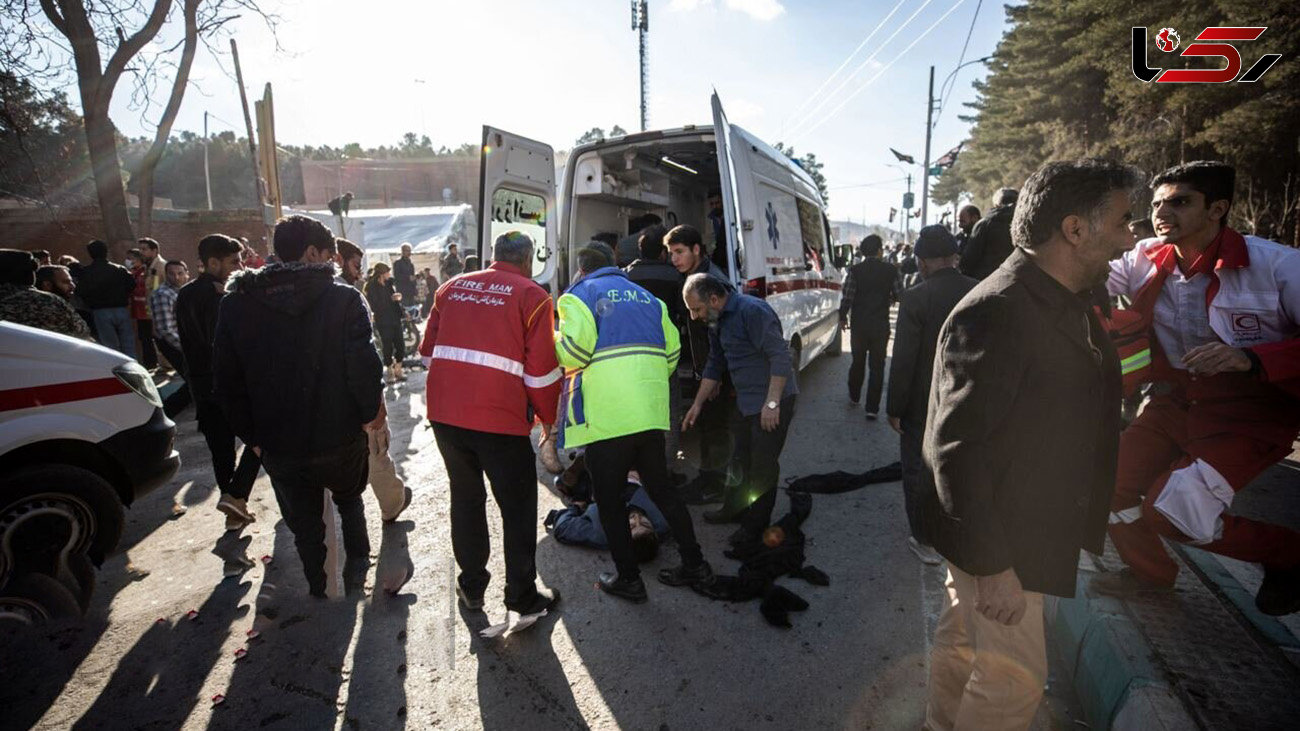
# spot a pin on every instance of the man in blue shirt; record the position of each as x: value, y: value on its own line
x: 745, y: 341
x: 579, y: 524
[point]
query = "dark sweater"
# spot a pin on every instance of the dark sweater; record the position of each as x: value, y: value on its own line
x: 196, y: 321
x: 103, y: 285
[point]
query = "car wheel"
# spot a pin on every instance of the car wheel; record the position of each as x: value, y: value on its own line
x: 33, y: 599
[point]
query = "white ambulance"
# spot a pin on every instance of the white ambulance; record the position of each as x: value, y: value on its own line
x: 775, y: 221
x: 82, y: 435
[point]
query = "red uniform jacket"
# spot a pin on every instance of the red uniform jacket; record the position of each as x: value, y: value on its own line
x: 490, y: 348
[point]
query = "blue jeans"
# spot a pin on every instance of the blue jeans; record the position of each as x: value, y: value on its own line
x: 115, y: 329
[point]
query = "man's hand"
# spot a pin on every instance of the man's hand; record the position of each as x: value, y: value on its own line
x: 714, y: 390
x: 380, y: 421
x: 769, y: 419
x: 844, y: 323
x: 896, y: 424
x: 692, y: 414
x: 1000, y: 598
x: 1213, y: 358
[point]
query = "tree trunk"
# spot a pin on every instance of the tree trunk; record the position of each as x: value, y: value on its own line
x: 144, y: 189
x: 151, y: 158
x: 101, y: 142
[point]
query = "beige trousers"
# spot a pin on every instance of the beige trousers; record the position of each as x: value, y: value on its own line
x: 983, y: 674
x: 389, y: 489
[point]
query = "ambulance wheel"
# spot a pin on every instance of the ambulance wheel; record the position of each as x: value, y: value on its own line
x: 34, y: 599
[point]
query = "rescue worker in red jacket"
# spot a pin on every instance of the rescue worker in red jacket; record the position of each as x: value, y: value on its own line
x: 492, y: 372
x: 1224, y: 317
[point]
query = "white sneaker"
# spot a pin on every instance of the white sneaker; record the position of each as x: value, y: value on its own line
x: 927, y: 554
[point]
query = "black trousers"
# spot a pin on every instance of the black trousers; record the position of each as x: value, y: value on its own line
x: 759, y: 454
x: 716, y: 442
x: 181, y: 397
x: 511, y: 467
x: 920, y: 502
x: 869, y: 342
x: 609, y: 461
x: 148, y: 356
x: 236, y: 481
x: 393, y: 348
x: 300, y: 484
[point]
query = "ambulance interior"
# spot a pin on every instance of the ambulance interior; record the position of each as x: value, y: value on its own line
x: 614, y: 186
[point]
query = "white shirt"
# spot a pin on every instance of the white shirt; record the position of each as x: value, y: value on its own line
x: 1182, y: 321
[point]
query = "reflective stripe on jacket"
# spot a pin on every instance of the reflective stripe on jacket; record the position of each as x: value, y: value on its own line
x: 618, y: 348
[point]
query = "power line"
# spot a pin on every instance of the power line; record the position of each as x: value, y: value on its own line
x: 943, y: 101
x: 809, y: 116
x: 845, y: 62
x: 872, y: 184
x: 863, y: 88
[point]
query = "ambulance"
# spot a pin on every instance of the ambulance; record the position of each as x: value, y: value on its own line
x: 777, y: 235
x: 82, y: 435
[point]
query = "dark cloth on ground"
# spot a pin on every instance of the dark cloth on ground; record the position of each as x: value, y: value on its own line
x: 834, y: 483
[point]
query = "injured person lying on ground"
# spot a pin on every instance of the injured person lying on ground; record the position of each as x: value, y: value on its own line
x: 578, y: 524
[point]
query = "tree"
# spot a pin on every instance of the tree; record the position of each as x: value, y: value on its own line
x: 597, y: 134
x: 38, y: 47
x: 811, y: 166
x: 42, y: 146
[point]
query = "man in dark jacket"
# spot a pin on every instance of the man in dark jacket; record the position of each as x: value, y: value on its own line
x: 921, y: 312
x: 196, y: 323
x: 404, y: 276
x: 869, y: 289
x: 967, y: 217
x: 297, y: 373
x: 989, y: 243
x: 1021, y: 442
x: 106, y: 289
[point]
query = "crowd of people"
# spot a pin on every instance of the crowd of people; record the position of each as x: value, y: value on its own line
x: 1014, y: 353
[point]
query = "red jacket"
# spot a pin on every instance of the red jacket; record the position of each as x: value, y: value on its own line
x: 490, y: 348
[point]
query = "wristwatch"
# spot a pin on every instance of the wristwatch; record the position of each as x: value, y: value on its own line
x: 771, y: 405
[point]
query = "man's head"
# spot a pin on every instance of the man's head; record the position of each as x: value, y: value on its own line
x: 641, y: 223
x: 17, y: 267
x: 1141, y: 228
x: 608, y: 237
x: 98, y: 250
x: 55, y: 279
x: 406, y: 251
x: 651, y: 244
x: 871, y: 246
x: 645, y: 542
x: 704, y: 297
x: 1005, y: 197
x: 514, y: 248
x: 471, y: 262
x: 42, y: 257
x: 685, y: 247
x: 967, y: 217
x: 1077, y: 212
x: 134, y: 258
x: 348, y: 256
x: 303, y: 239
x: 177, y: 273
x: 452, y: 249
x: 936, y: 249
x: 1190, y: 203
x: 594, y: 255
x: 714, y: 200
x: 220, y: 255
x: 149, y: 248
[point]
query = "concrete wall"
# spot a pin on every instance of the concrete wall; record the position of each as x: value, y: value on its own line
x: 391, y: 183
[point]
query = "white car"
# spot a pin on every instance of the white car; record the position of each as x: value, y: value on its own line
x: 82, y: 435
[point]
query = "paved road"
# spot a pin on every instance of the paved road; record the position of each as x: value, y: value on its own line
x: 855, y: 659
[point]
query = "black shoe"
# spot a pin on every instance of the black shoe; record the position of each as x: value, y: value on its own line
x: 694, y: 575
x: 1125, y: 582
x: 632, y: 589
x: 354, y: 577
x: 724, y: 514
x: 542, y: 601
x: 1279, y: 595
x: 472, y: 602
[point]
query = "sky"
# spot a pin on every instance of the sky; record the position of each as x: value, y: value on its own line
x: 369, y: 72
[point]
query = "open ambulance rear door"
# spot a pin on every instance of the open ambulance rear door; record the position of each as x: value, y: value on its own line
x: 517, y: 193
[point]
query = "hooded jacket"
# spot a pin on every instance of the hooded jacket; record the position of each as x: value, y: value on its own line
x: 293, y: 360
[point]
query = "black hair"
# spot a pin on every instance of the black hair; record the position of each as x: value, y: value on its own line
x: 218, y: 246
x: 606, y: 237
x: 645, y: 545
x: 685, y: 235
x: 175, y: 263
x: 153, y: 245
x: 471, y: 262
x: 651, y: 243
x: 640, y: 223
x: 348, y: 250
x: 17, y: 267
x: 1211, y: 178
x: 295, y: 234
x: 1061, y: 189
x: 139, y: 255
x: 870, y: 245
x: 97, y: 250
x: 595, y: 255
x: 45, y: 274
x: 971, y: 208
x: 40, y: 253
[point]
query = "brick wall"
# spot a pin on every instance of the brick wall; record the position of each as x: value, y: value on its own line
x: 391, y: 183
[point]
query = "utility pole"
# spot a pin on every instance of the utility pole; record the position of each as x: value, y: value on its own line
x: 641, y: 24
x: 252, y: 147
x: 207, y: 175
x: 929, y: 129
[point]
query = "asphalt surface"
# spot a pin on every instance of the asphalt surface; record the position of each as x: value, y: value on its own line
x: 855, y: 659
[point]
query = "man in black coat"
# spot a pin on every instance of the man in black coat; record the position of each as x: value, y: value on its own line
x: 105, y: 288
x: 922, y: 310
x: 990, y: 240
x: 869, y: 289
x: 404, y: 276
x: 1022, y: 441
x: 298, y: 375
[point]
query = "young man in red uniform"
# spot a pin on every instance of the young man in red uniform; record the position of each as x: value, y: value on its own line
x: 492, y: 372
x: 1224, y: 315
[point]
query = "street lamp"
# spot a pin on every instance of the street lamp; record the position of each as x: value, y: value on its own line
x: 930, y: 122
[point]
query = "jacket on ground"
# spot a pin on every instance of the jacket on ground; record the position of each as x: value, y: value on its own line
x: 294, y: 364
x: 491, y: 357
x: 619, y: 348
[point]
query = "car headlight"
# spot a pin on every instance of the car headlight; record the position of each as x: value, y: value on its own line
x: 138, y: 380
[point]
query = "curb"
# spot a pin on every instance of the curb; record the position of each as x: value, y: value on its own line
x: 1113, y: 668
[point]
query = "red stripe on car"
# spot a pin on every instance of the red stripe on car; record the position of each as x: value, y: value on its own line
x: 60, y: 393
